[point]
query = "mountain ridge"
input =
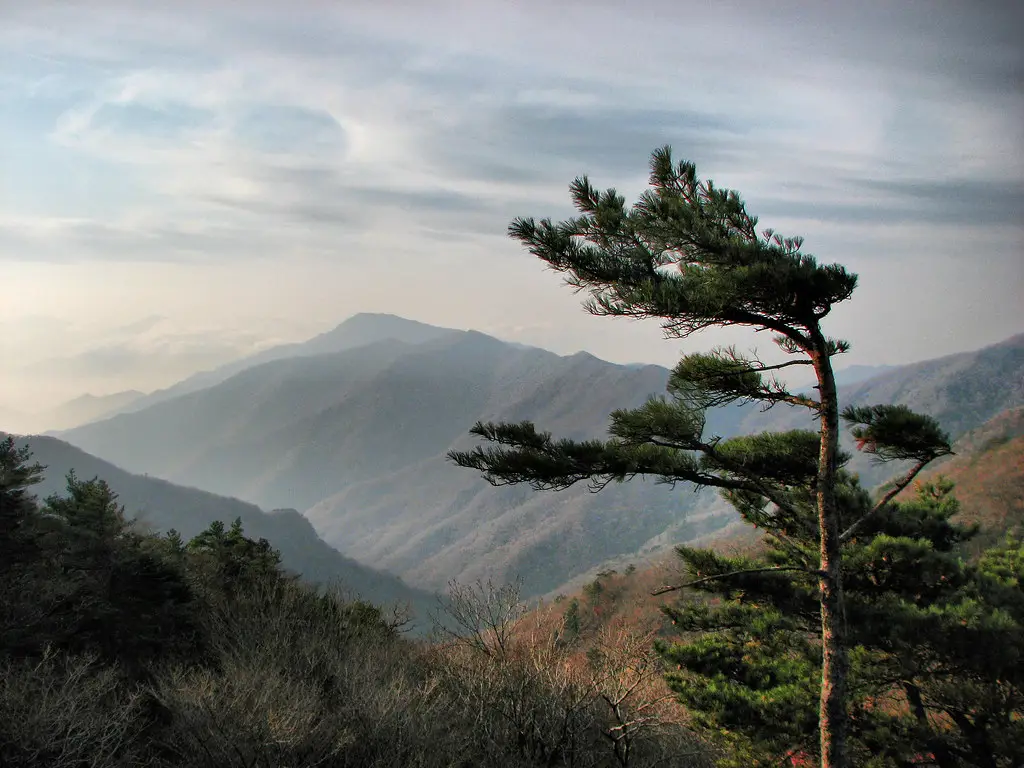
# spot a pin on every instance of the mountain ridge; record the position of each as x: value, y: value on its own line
x: 357, y: 440
x: 160, y: 505
x: 358, y: 330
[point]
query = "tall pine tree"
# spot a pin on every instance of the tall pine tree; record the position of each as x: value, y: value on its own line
x: 689, y: 254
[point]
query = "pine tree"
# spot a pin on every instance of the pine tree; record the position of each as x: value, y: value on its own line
x: 19, y: 548
x: 114, y: 592
x: 17, y: 505
x: 936, y: 644
x: 233, y: 560
x: 689, y: 254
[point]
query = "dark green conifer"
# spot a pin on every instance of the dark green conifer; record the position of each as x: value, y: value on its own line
x: 935, y: 644
x: 17, y: 505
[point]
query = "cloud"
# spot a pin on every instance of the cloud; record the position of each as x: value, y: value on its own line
x: 349, y: 122
x: 950, y: 204
x: 325, y: 137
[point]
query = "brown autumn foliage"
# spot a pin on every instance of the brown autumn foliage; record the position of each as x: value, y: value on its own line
x: 563, y: 695
x: 988, y: 473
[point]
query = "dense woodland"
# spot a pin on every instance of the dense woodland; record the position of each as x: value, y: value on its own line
x: 858, y: 627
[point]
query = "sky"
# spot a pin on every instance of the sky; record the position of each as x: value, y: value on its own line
x: 185, y: 183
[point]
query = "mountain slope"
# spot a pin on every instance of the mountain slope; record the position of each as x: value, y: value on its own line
x: 358, y: 438
x: 988, y: 471
x: 962, y: 391
x: 358, y: 330
x: 162, y: 505
x: 87, y: 408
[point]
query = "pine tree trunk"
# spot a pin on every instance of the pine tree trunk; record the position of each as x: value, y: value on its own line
x: 835, y: 664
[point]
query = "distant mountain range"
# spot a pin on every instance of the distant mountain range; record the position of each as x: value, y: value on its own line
x: 160, y: 506
x: 357, y: 440
x: 352, y: 428
x: 82, y: 410
x: 88, y: 408
x: 357, y: 331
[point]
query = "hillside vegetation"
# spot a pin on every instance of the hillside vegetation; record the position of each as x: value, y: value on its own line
x: 161, y: 506
x: 122, y: 648
x: 988, y: 474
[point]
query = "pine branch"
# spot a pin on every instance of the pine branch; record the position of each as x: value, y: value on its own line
x: 790, y: 399
x: 716, y: 577
x: 758, y: 486
x: 891, y: 494
x: 761, y: 368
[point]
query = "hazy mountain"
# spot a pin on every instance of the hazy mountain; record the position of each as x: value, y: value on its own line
x: 161, y: 505
x: 85, y: 409
x: 73, y: 413
x: 358, y: 330
x: 357, y: 440
x: 962, y: 391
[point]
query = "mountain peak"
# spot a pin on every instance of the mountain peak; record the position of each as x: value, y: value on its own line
x: 368, y: 327
x: 384, y: 321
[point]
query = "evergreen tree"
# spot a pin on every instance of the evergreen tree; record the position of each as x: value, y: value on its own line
x: 689, y: 254
x: 19, y: 549
x: 935, y: 645
x: 114, y: 592
x: 232, y: 559
x: 17, y: 505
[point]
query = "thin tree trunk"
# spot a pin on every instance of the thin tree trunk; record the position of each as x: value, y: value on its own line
x: 835, y: 663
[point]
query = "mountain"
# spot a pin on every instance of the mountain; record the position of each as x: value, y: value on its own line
x: 357, y: 439
x: 358, y: 330
x: 85, y: 409
x: 161, y: 505
x: 988, y: 470
x: 962, y: 391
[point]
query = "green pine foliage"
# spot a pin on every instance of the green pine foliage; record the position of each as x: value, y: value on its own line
x: 17, y: 476
x: 935, y: 644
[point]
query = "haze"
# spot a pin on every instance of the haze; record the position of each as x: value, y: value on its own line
x: 185, y: 184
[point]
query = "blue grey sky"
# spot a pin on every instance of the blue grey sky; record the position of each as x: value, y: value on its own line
x: 183, y: 183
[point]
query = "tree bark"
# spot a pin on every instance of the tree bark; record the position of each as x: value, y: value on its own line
x: 833, y: 715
